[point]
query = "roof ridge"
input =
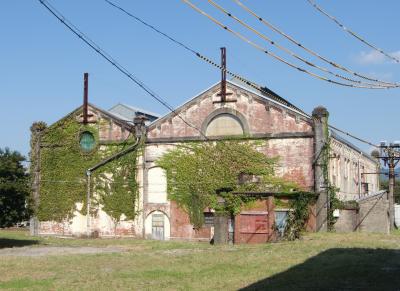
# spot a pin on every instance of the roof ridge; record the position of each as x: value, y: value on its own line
x: 134, y: 108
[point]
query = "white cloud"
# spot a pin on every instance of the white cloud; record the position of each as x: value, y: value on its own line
x: 374, y: 57
x: 381, y: 75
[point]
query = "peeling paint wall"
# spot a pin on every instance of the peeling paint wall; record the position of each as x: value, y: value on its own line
x: 349, y: 169
x: 284, y: 133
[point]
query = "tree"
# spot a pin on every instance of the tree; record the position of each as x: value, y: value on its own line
x: 385, y: 185
x: 196, y: 172
x: 14, y: 188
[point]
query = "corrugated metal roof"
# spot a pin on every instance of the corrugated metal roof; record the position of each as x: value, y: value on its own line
x: 265, y: 92
x: 128, y: 113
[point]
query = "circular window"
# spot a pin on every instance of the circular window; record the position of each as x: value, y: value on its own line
x: 87, y: 141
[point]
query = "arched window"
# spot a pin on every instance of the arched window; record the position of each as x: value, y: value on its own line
x: 224, y: 124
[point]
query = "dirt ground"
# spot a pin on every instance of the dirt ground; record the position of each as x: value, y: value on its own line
x: 33, y: 251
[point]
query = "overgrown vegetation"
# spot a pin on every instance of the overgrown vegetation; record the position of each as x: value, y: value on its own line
x: 14, y: 188
x: 197, y: 171
x: 299, y: 214
x: 63, y: 167
x: 333, y: 201
x: 119, y: 193
x: 385, y: 185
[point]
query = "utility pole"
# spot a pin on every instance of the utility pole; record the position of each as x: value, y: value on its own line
x: 390, y: 157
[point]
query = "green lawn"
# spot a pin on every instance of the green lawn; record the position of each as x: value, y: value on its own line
x: 317, y: 262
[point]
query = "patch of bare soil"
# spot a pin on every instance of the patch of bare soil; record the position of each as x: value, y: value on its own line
x: 57, y: 251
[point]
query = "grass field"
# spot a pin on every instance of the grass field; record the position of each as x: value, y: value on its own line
x: 317, y: 262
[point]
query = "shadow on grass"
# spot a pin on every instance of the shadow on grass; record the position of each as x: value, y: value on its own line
x: 13, y: 243
x: 339, y: 269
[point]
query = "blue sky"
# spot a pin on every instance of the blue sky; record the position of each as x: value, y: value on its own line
x: 42, y: 63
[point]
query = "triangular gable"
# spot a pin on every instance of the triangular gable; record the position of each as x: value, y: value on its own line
x: 198, y: 111
x: 104, y: 113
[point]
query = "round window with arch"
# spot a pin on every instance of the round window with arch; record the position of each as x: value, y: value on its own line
x: 87, y: 141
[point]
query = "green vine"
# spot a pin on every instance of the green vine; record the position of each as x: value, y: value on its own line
x: 196, y: 172
x: 333, y: 201
x: 299, y: 214
x: 63, y: 174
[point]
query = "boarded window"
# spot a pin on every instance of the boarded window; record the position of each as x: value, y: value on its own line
x: 253, y: 223
x: 157, y: 185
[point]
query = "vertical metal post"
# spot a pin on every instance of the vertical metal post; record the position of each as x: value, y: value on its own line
x: 88, y: 177
x: 85, y: 97
x: 223, y: 74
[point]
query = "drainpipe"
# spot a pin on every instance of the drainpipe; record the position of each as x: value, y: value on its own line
x: 140, y: 130
x: 89, y: 175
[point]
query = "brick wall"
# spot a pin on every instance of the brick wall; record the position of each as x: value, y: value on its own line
x: 372, y: 215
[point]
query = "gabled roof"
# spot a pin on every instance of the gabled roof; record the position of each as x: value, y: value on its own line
x: 106, y: 113
x: 263, y: 94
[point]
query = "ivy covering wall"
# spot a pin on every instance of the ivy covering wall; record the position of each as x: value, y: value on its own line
x: 63, y: 166
x: 196, y: 172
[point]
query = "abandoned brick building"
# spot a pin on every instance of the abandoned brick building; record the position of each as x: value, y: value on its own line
x: 287, y: 132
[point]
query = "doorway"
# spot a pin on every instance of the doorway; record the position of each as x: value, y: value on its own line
x: 157, y: 222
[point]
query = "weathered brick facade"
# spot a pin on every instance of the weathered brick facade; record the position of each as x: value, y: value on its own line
x: 284, y: 131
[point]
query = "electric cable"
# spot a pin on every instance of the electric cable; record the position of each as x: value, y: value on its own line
x: 288, y: 51
x: 112, y: 61
x: 206, y: 59
x: 352, y: 33
x: 353, y: 136
x: 290, y: 38
x: 254, y: 85
x: 280, y: 59
x: 63, y: 20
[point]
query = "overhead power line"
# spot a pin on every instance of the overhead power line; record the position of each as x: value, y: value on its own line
x: 113, y: 62
x: 205, y: 58
x: 84, y: 38
x: 290, y: 38
x: 288, y: 51
x: 254, y: 85
x: 352, y: 33
x: 280, y: 59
